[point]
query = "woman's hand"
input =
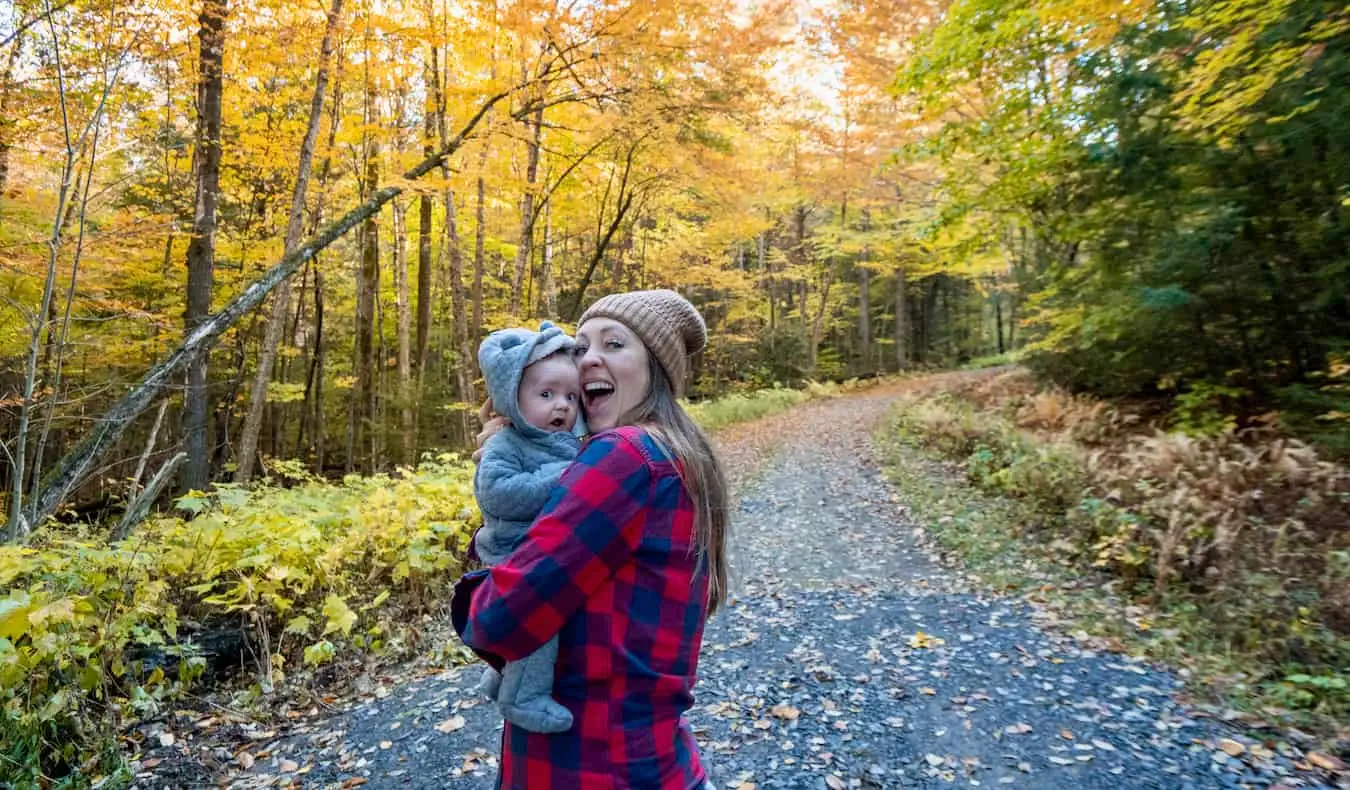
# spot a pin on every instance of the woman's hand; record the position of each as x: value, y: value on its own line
x: 492, y: 424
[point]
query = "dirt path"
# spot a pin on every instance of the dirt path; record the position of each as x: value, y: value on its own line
x: 847, y: 659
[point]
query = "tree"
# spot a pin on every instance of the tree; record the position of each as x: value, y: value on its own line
x: 248, y: 441
x: 201, y: 250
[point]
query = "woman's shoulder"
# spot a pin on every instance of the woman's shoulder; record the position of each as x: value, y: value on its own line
x: 633, y: 441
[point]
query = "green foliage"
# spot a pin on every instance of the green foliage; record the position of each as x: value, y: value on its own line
x: 1329, y: 694
x: 83, y: 621
x: 1167, y: 182
x: 1206, y: 409
x: 995, y: 360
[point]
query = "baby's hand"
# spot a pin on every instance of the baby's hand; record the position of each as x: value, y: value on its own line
x: 492, y: 423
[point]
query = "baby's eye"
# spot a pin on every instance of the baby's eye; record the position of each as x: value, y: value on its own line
x: 571, y: 397
x: 546, y: 394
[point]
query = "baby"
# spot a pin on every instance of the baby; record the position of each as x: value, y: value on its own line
x: 533, y: 381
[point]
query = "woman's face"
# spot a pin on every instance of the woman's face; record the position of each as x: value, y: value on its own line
x: 614, y: 372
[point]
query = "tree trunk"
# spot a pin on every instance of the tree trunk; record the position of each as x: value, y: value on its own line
x: 312, y: 408
x: 901, y: 320
x: 248, y: 441
x: 818, y: 321
x: 140, y: 506
x: 864, y: 300
x: 424, y: 259
x: 201, y: 252
x: 316, y: 373
x: 461, y: 340
x: 404, y: 320
x: 762, y: 244
x: 367, y: 285
x: 526, y: 245
x: 18, y: 526
x: 998, y: 321
x: 480, y: 236
x: 547, y: 287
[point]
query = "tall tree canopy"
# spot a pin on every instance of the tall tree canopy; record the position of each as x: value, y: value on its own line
x: 1146, y: 197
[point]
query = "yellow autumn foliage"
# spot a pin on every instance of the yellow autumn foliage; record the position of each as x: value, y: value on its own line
x: 303, y: 574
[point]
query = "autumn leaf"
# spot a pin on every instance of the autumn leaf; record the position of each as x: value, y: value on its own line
x: 451, y: 724
x: 922, y: 641
x: 340, y: 617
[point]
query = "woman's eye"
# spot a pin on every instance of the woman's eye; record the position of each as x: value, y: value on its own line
x: 613, y: 344
x: 579, y: 351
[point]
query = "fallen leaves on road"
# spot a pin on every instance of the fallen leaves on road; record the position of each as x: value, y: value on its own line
x: 451, y: 724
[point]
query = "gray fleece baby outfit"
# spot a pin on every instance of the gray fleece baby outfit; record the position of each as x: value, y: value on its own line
x: 519, y: 468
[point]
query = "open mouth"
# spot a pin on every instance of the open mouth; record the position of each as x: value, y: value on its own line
x: 596, y: 392
x: 557, y: 422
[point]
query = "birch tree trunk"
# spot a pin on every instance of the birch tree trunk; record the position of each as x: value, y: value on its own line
x: 248, y: 441
x: 201, y: 252
x: 18, y: 526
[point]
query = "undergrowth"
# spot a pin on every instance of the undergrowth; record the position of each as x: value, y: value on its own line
x: 94, y: 634
x: 1236, y: 542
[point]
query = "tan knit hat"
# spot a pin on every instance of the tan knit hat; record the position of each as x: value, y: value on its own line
x: 668, y: 325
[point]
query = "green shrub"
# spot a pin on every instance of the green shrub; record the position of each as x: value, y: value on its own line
x: 1053, y: 476
x: 1206, y: 409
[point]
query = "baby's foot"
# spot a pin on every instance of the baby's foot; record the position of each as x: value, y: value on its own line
x: 490, y: 683
x: 541, y: 714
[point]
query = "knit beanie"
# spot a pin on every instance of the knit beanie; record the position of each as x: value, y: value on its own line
x: 668, y: 325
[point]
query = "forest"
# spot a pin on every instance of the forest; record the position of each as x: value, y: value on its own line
x: 253, y: 241
x: 1112, y: 191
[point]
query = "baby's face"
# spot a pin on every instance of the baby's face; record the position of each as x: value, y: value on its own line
x: 550, y: 393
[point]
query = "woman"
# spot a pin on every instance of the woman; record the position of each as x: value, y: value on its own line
x: 624, y: 565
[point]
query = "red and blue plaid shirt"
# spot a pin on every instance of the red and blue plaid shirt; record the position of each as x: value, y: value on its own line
x: 609, y: 566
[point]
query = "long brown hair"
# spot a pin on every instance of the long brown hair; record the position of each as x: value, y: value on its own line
x: 663, y: 416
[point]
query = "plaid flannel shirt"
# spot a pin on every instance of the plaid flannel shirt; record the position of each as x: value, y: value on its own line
x: 609, y: 566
